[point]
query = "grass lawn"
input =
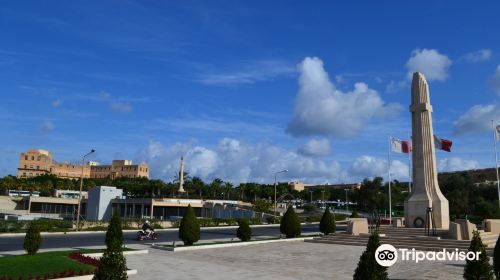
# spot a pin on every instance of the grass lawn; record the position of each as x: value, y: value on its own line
x: 39, y: 264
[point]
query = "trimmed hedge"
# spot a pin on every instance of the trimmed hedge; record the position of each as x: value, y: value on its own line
x: 33, y: 239
x: 189, y: 230
x: 327, y: 223
x: 43, y: 225
x: 244, y: 232
x: 290, y: 224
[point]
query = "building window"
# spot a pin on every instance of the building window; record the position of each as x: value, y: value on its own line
x: 32, y: 157
x: 37, y: 167
x: 39, y: 158
x: 25, y: 157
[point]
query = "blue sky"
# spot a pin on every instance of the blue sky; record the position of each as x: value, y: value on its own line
x: 246, y: 88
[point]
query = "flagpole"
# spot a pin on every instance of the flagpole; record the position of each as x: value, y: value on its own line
x: 410, y: 179
x: 496, y: 158
x: 390, y: 201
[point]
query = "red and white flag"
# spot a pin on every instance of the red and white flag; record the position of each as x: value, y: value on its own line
x: 400, y: 146
x: 442, y: 144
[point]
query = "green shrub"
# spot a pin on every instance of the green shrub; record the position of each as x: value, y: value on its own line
x: 354, y: 214
x: 290, y: 224
x: 313, y: 219
x: 368, y: 268
x: 327, y: 223
x: 340, y: 217
x: 478, y: 269
x: 33, y: 239
x: 189, y: 230
x: 496, y: 259
x: 113, y: 264
x: 309, y: 208
x: 244, y: 231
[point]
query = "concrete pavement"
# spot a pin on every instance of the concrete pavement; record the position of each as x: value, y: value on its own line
x: 277, y: 261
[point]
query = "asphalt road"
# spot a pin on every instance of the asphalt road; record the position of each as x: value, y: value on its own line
x: 54, y: 241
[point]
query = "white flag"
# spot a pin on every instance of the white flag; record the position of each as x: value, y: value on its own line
x: 497, y: 132
x: 400, y: 146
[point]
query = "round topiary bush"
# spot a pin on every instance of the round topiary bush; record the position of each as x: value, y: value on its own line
x: 189, y: 230
x: 327, y: 223
x: 244, y: 231
x: 354, y: 214
x: 290, y: 224
x: 33, y: 239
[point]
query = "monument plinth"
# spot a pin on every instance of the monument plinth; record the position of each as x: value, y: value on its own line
x: 425, y: 192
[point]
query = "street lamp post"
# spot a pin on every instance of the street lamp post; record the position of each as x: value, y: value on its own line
x: 323, y: 197
x: 80, y: 192
x: 275, y: 202
x: 346, y: 201
x: 311, y: 196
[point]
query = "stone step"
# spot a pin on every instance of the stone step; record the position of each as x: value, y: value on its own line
x: 420, y: 247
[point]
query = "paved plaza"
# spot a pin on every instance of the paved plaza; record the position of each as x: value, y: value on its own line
x: 277, y: 261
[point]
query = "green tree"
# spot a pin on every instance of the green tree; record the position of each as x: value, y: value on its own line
x: 327, y: 223
x: 244, y: 231
x: 189, y: 230
x: 290, y: 224
x: 32, y: 239
x: 262, y: 206
x: 354, y: 214
x: 113, y: 264
x: 481, y: 268
x: 368, y: 268
x: 496, y: 259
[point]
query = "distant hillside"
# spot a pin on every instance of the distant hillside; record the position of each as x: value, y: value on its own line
x: 476, y: 175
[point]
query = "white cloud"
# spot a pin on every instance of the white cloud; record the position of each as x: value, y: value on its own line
x: 316, y: 147
x: 238, y: 161
x: 368, y: 166
x: 394, y: 87
x: 456, y: 164
x: 477, y: 119
x: 47, y: 126
x: 495, y: 81
x: 478, y: 56
x: 120, y: 107
x: 57, y: 103
x: 430, y: 62
x: 253, y: 72
x: 115, y: 104
x: 322, y: 110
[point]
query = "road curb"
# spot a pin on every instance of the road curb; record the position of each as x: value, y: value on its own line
x: 225, y: 245
x: 125, y: 253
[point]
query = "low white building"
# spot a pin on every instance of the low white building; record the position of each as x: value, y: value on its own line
x: 99, y: 202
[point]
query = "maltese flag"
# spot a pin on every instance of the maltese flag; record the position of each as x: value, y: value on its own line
x: 442, y: 144
x: 400, y: 146
x: 497, y: 132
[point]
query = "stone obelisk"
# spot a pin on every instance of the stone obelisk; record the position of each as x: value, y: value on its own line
x: 425, y: 192
x: 181, y: 177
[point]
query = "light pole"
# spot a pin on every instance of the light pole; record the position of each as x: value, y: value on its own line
x: 311, y: 197
x: 346, y: 201
x: 80, y: 193
x: 323, y: 197
x: 275, y: 202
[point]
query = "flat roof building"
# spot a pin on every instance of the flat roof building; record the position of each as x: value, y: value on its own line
x: 40, y: 162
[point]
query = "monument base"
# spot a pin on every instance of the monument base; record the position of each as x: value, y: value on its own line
x: 416, y: 211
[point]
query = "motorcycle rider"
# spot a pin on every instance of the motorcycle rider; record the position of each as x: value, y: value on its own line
x: 147, y: 228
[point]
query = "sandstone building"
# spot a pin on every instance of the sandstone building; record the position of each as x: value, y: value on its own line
x: 39, y: 162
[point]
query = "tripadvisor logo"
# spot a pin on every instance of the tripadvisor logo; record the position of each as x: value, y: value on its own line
x: 386, y: 255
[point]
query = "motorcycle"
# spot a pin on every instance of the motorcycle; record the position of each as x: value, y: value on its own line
x: 141, y: 235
